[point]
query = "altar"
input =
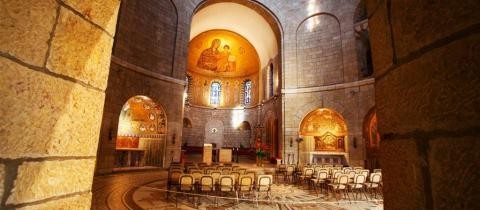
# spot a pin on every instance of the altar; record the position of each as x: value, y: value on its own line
x: 326, y: 157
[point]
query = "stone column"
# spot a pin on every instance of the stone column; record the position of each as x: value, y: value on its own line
x: 426, y: 57
x: 54, y: 61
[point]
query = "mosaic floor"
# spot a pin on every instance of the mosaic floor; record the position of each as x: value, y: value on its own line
x: 146, y: 190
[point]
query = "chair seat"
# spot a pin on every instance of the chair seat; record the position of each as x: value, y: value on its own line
x: 355, y: 186
x: 338, y: 186
x: 316, y: 181
x: 371, y: 185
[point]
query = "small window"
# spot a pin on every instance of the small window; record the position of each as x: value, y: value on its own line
x: 215, y: 91
x: 247, y: 92
x: 270, y: 82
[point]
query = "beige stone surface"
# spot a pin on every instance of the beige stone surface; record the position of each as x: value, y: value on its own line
x: 2, y: 179
x: 80, y: 50
x: 77, y: 202
x: 419, y: 23
x: 25, y: 28
x: 101, y: 12
x: 402, y: 172
x: 46, y: 116
x: 454, y: 164
x: 40, y: 180
x: 439, y: 91
x: 382, y: 49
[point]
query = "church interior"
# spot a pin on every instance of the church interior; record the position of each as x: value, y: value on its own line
x: 239, y: 104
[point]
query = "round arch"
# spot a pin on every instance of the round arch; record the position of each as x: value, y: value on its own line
x: 141, y: 134
x: 325, y: 137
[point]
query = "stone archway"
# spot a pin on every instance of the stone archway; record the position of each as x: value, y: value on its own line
x: 141, y: 134
x: 372, y: 139
x: 325, y: 138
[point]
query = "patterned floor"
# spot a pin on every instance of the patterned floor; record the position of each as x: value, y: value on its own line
x: 147, y: 190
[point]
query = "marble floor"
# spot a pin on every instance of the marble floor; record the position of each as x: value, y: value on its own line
x: 147, y: 190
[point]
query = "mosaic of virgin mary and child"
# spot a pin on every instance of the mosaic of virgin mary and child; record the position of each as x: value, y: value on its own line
x: 215, y: 60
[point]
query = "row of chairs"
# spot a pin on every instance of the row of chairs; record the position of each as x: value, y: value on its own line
x: 345, y: 183
x: 224, y: 185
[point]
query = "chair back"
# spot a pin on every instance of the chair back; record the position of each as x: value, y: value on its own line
x: 342, y: 179
x: 359, y: 179
x: 365, y: 172
x: 235, y: 174
x: 197, y: 174
x: 245, y: 183
x: 242, y: 170
x: 351, y: 174
x: 174, y: 176
x: 308, y: 171
x: 317, y: 168
x: 206, y: 183
x: 215, y: 175
x: 357, y: 167
x: 264, y: 182
x: 226, y: 170
x: 186, y: 182
x: 336, y: 174
x: 375, y: 177
x: 226, y: 183
x: 207, y: 170
x: 377, y: 170
x: 290, y: 169
x: 322, y: 174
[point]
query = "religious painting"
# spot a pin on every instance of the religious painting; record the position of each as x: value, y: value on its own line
x: 370, y: 130
x: 222, y: 53
x: 326, y: 142
x: 215, y: 60
x: 322, y: 121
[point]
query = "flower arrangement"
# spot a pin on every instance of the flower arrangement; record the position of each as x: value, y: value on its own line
x: 261, y: 151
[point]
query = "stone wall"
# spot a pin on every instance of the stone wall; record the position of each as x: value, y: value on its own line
x: 149, y: 59
x: 230, y: 120
x: 54, y: 57
x: 146, y: 34
x: 126, y: 81
x: 426, y: 63
x: 232, y: 90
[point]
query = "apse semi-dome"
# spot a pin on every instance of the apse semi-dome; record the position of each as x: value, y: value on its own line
x: 222, y: 53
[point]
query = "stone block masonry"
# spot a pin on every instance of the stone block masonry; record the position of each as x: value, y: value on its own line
x: 54, y: 57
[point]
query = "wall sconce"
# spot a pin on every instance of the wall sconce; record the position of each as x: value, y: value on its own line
x: 291, y: 143
x: 173, y: 138
x: 354, y: 142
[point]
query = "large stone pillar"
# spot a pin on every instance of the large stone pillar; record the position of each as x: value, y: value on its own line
x: 54, y: 62
x: 427, y: 61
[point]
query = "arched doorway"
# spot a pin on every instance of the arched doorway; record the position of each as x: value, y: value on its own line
x: 324, y: 134
x: 271, y: 135
x: 372, y: 139
x: 141, y: 135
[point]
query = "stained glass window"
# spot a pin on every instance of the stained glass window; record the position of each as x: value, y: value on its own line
x: 270, y: 85
x: 215, y: 91
x: 247, y: 91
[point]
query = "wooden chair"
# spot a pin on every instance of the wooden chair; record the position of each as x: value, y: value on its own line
x: 358, y: 185
x: 340, y: 185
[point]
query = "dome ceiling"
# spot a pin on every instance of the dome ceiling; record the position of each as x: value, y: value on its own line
x: 222, y: 53
x: 239, y: 19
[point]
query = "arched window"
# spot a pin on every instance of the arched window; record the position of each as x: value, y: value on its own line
x: 247, y: 92
x: 215, y: 91
x: 188, y: 88
x: 270, y: 82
